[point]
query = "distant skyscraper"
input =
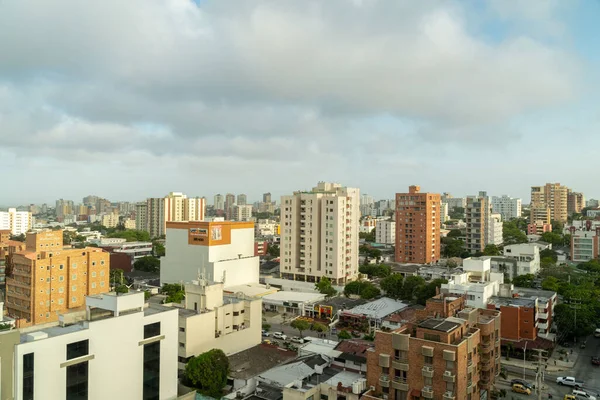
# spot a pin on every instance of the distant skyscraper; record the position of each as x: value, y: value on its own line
x: 176, y: 207
x: 508, y: 207
x: 319, y: 234
x: 266, y: 197
x: 575, y: 202
x: 241, y: 200
x: 229, y: 202
x: 552, y: 197
x: 418, y: 226
x: 219, y: 202
x: 483, y: 226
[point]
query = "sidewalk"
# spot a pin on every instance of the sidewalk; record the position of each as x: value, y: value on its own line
x: 553, y: 364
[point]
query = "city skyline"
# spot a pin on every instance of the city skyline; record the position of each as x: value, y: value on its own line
x: 450, y: 97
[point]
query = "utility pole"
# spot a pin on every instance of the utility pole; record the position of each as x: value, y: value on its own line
x: 576, y: 303
x: 539, y: 376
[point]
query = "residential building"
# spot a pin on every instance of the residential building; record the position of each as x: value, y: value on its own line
x: 266, y: 228
x: 110, y: 220
x: 385, y: 231
x: 210, y: 320
x: 64, y: 207
x: 47, y: 279
x: 141, y: 215
x: 480, y: 224
x: 319, y: 234
x: 367, y: 205
x: 367, y: 225
x: 17, y: 222
x: 538, y: 228
x: 241, y: 200
x: 495, y: 229
x: 229, y: 202
x: 584, y: 245
x: 121, y: 350
x: 518, y: 259
x: 552, y: 196
x: 9, y: 339
x: 575, y: 202
x: 155, y: 217
x: 176, y: 207
x: 527, y: 314
x: 477, y: 283
x: 455, y: 202
x: 224, y: 250
x: 261, y: 247
x: 195, y: 209
x: 241, y: 212
x: 444, y: 210
x: 417, y: 226
x: 508, y: 207
x: 292, y: 303
x: 371, y: 314
x: 219, y: 202
x: 5, y: 235
x: 129, y: 223
x: 593, y: 203
x: 267, y: 198
x: 454, y: 356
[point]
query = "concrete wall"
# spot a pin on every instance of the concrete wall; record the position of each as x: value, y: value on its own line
x: 8, y: 340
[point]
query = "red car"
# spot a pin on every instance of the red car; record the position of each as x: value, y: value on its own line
x: 595, y: 360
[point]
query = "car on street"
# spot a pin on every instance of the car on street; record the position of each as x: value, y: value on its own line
x: 518, y: 388
x: 569, y: 381
x: 522, y: 382
x: 265, y: 333
x: 279, y: 335
x: 266, y: 341
x: 595, y: 360
x: 597, y: 332
x: 581, y: 395
x: 297, y: 339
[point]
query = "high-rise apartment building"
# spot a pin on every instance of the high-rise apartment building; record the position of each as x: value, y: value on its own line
x: 176, y: 207
x: 448, y: 352
x: 385, y: 231
x: 195, y: 208
x: 267, y: 198
x: 552, y: 196
x: 508, y: 207
x: 478, y: 217
x: 319, y: 234
x: 495, y: 229
x: 47, y: 280
x: 241, y: 212
x: 17, y: 222
x: 241, y: 200
x: 141, y: 215
x: 63, y: 207
x: 575, y: 202
x: 219, y: 202
x: 229, y: 202
x: 417, y: 226
x: 367, y: 205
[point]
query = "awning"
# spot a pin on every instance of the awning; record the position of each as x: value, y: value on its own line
x: 538, y: 343
x: 415, y: 393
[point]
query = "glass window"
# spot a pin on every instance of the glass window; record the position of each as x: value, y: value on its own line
x: 151, y: 373
x: 77, y: 381
x: 28, y: 364
x: 78, y: 349
x: 151, y: 330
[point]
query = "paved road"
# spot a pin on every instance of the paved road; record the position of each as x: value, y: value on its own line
x: 289, y: 331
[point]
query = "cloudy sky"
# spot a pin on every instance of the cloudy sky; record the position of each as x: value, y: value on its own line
x: 132, y: 99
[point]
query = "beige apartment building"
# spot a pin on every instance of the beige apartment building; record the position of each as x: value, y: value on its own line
x: 575, y: 202
x: 47, y: 279
x: 319, y: 234
x: 153, y: 214
x: 478, y: 217
x: 552, y: 197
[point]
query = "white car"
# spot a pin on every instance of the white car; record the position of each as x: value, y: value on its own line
x: 580, y: 394
x: 279, y: 335
x: 297, y: 339
x: 265, y: 333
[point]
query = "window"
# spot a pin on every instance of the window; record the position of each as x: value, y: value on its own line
x: 93, y: 263
x: 61, y: 278
x: 74, y: 276
x: 77, y: 381
x: 182, y: 345
x: 151, y: 330
x: 450, y: 365
x: 61, y: 266
x: 151, y: 372
x: 102, y: 284
x: 102, y: 262
x: 60, y: 301
x: 93, y: 285
x: 427, y: 381
x: 385, y: 370
x: 181, y: 329
x: 74, y: 288
x: 78, y: 349
x: 74, y: 299
x: 94, y: 274
x: 428, y: 360
x: 28, y: 363
x: 101, y: 273
x: 61, y: 290
x: 74, y: 265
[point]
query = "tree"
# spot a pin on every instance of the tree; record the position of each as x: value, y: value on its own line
x: 557, y: 226
x: 524, y: 281
x: 457, y: 213
x: 324, y: 287
x: 116, y: 276
x: 553, y: 238
x: 121, y: 289
x: 380, y: 271
x: 392, y: 285
x: 273, y: 251
x: 571, y: 327
x: 491, y: 250
x: 344, y: 335
x: 208, y: 372
x: 318, y: 327
x: 454, y: 233
x: 158, y: 249
x: 427, y: 291
x: 512, y: 233
x: 175, y: 292
x: 366, y: 290
x: 131, y: 235
x: 147, y: 264
x: 410, y: 287
x: 147, y: 294
x: 266, y: 327
x: 300, y: 324
x: 549, y: 253
x: 453, y: 248
x: 550, y: 283
x: 451, y: 264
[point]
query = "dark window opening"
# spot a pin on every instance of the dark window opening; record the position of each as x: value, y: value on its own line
x: 78, y: 349
x: 151, y: 390
x: 77, y: 381
x: 151, y: 330
x: 28, y: 361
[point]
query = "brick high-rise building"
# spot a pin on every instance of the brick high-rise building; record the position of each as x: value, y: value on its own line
x: 448, y: 352
x: 319, y: 234
x: 47, y: 279
x: 575, y: 202
x: 417, y: 226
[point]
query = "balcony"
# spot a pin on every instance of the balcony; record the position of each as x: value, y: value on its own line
x: 486, y: 366
x: 427, y: 372
x: 400, y: 364
x: 427, y: 392
x: 542, y: 315
x: 400, y: 383
x: 384, y: 381
x: 448, y: 396
x: 486, y: 346
x: 542, y: 325
x: 449, y: 376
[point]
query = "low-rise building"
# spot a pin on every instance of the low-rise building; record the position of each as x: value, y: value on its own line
x: 121, y: 341
x: 477, y: 283
x: 385, y: 231
x: 430, y: 273
x: 370, y: 316
x: 266, y: 228
x: 261, y: 247
x: 110, y: 220
x: 584, y: 245
x: 292, y: 303
x: 445, y: 357
x: 518, y: 259
x: 210, y: 320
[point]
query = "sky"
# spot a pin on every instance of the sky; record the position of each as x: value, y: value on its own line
x: 138, y: 98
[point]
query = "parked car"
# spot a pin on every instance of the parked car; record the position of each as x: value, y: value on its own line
x: 297, y: 339
x: 569, y: 381
x: 580, y: 394
x: 521, y: 382
x: 518, y: 388
x: 265, y: 333
x: 595, y: 360
x: 597, y: 332
x: 279, y: 335
x: 266, y: 341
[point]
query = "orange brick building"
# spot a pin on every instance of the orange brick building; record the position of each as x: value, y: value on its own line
x: 47, y: 280
x: 444, y: 357
x: 418, y: 226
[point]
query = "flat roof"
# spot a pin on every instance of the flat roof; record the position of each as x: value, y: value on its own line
x: 251, y: 289
x: 380, y: 308
x: 441, y: 325
x: 300, y: 297
x: 511, y: 301
x: 251, y: 362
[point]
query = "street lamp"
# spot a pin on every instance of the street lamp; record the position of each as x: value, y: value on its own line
x: 524, y: 351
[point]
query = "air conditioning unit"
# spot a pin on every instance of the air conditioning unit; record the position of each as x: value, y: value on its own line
x: 372, y: 388
x: 449, y: 394
x: 447, y: 373
x: 428, y: 369
x: 385, y: 396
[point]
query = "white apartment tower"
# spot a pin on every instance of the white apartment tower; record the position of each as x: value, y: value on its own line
x: 17, y: 222
x: 241, y: 212
x: 385, y: 231
x: 153, y: 215
x: 319, y: 234
x: 508, y: 207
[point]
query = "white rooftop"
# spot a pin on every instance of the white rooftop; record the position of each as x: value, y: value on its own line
x: 251, y: 289
x: 347, y: 378
x: 320, y: 346
x: 379, y: 308
x: 298, y: 297
x: 286, y: 374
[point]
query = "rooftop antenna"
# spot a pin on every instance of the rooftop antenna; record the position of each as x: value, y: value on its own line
x: 202, y: 277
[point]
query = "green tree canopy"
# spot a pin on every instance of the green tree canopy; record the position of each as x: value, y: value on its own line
x: 454, y: 248
x: 318, y: 327
x: 158, y: 249
x: 131, y: 235
x: 273, y: 251
x: 122, y: 289
x: 454, y: 233
x: 457, y: 213
x: 208, y: 372
x: 174, y: 291
x: 147, y: 264
x: 524, y: 281
x: 300, y: 324
x: 366, y: 290
x: 344, y: 335
x: 554, y: 238
x: 324, y: 287
x: 549, y: 253
x: 568, y: 326
x: 375, y: 270
x: 428, y: 290
x: 392, y: 285
x: 117, y: 276
x: 512, y: 233
x: 491, y: 250
x: 550, y: 283
x: 411, y: 287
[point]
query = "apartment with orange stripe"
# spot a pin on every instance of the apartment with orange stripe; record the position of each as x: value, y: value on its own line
x: 221, y: 251
x: 46, y: 279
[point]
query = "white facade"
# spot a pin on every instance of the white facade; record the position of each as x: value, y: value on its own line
x: 115, y: 354
x: 444, y: 212
x: 527, y: 256
x: 232, y: 263
x: 266, y: 228
x: 242, y: 212
x: 385, y: 232
x: 212, y: 321
x: 508, y: 207
x: 110, y: 220
x: 18, y: 222
x: 477, y: 282
x: 319, y: 233
x: 495, y: 229
x: 176, y: 206
x: 455, y: 202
